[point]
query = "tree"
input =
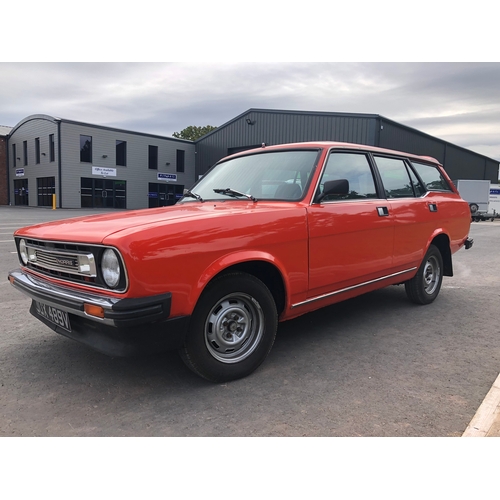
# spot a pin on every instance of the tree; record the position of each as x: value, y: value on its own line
x: 192, y: 133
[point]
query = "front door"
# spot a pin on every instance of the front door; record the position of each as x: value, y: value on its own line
x: 21, y: 196
x: 351, y: 237
x: 103, y: 193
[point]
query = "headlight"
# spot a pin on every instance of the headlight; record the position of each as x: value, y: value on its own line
x: 110, y: 267
x: 23, y: 252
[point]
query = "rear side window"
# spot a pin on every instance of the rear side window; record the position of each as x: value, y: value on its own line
x: 395, y: 177
x: 431, y: 177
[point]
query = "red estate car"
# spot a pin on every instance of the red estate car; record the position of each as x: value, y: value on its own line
x: 265, y: 236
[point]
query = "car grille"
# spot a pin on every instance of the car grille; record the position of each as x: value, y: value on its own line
x: 63, y: 260
x: 57, y: 262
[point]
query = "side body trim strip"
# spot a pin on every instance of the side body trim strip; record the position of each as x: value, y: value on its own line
x: 349, y: 288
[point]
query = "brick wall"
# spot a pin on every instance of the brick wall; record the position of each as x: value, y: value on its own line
x: 3, y: 171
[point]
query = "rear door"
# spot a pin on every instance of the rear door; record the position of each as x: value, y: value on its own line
x: 417, y: 208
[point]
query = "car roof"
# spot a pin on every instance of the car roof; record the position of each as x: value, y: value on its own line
x: 336, y: 145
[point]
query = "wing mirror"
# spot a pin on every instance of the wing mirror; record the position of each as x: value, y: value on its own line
x: 338, y: 187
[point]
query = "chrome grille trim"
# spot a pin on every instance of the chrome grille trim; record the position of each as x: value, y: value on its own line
x: 77, y: 263
x: 88, y: 273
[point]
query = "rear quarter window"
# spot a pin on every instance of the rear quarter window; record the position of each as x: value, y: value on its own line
x: 431, y: 177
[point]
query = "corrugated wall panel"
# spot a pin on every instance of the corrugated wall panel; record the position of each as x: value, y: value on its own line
x: 281, y: 127
x: 401, y: 138
x: 462, y: 164
x: 276, y: 127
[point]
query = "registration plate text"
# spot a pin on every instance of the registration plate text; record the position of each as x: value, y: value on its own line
x: 55, y: 316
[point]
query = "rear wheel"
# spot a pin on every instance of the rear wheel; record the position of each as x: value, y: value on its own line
x: 232, y: 328
x: 424, y: 287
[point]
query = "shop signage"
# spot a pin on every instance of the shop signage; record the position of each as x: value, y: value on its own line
x: 166, y: 177
x: 19, y: 172
x: 105, y: 172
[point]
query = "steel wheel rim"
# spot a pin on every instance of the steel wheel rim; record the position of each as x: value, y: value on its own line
x: 431, y: 275
x: 234, y: 328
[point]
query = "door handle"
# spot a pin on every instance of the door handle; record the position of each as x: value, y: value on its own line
x: 433, y: 207
x: 383, y: 211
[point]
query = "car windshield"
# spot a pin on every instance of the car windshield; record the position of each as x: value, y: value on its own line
x: 272, y: 175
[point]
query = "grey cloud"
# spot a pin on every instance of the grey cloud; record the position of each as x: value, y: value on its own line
x: 162, y: 98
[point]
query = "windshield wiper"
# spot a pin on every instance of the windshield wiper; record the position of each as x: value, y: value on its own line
x: 234, y: 193
x: 190, y: 194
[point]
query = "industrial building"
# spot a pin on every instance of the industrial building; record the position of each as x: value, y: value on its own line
x: 256, y: 126
x: 92, y: 166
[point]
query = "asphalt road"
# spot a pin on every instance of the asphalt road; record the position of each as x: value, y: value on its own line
x: 376, y: 365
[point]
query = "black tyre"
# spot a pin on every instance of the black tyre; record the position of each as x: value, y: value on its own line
x: 424, y: 287
x: 232, y: 328
x: 474, y: 207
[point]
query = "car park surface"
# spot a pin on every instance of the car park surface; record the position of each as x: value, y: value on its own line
x: 375, y: 365
x: 301, y: 226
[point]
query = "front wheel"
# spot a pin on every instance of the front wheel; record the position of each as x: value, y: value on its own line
x: 232, y: 328
x: 424, y: 287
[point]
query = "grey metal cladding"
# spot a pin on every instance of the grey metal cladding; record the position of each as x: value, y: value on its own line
x: 463, y: 164
x: 281, y: 127
x: 136, y: 172
x: 401, y: 138
x: 32, y: 127
x: 255, y: 126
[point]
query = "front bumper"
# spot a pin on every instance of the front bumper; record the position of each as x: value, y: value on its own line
x: 129, y: 325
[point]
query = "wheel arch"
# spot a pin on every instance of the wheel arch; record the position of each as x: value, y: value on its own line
x: 262, y: 267
x: 442, y: 242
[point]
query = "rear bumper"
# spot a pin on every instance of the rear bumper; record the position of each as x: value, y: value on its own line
x: 129, y: 326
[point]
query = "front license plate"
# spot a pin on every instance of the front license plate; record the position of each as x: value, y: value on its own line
x: 55, y: 316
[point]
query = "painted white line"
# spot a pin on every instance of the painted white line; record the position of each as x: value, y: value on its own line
x: 6, y: 241
x: 487, y: 413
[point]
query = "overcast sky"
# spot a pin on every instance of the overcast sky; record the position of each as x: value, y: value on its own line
x: 458, y: 102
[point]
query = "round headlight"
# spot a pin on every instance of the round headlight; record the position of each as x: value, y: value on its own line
x: 110, y: 267
x: 23, y: 252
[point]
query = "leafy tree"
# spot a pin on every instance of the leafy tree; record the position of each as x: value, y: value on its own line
x: 192, y: 133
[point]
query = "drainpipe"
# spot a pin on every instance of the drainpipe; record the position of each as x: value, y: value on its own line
x: 59, y: 166
x: 8, y: 169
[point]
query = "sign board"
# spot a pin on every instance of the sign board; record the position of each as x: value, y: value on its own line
x: 19, y: 172
x: 105, y: 172
x: 166, y: 177
x: 494, y: 198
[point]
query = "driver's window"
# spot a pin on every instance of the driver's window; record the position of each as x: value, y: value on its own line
x: 356, y: 169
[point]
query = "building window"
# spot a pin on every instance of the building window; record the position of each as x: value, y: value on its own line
x: 86, y: 148
x: 25, y: 152
x: 153, y: 157
x: 121, y: 153
x: 14, y: 155
x: 37, y: 150
x: 52, y: 148
x: 180, y: 160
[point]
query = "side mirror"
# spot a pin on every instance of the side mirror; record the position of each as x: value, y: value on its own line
x: 338, y: 187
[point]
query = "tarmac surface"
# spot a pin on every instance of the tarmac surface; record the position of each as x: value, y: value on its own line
x: 372, y: 366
